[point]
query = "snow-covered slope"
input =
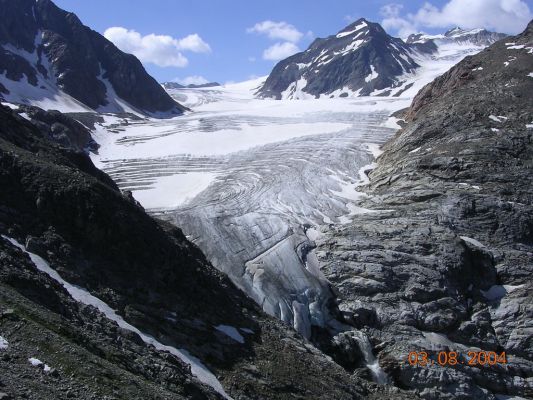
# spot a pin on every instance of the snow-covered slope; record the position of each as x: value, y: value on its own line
x: 358, y: 60
x: 477, y: 37
x: 363, y: 60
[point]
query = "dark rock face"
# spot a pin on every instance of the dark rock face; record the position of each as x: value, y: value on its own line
x: 71, y: 214
x: 362, y: 57
x: 88, y: 355
x: 62, y: 129
x: 446, y: 262
x: 55, y: 51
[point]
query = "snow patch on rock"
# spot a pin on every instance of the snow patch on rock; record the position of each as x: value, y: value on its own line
x: 38, y: 363
x: 83, y: 296
x: 231, y: 332
x: 3, y: 343
x: 496, y: 292
x: 373, y: 74
x: 473, y: 241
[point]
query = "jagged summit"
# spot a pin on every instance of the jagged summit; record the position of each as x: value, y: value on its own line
x: 477, y: 36
x: 355, y: 26
x: 50, y: 59
x: 360, y: 58
x: 454, y: 31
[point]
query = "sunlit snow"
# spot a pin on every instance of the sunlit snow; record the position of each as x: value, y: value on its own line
x: 473, y: 242
x: 38, y: 363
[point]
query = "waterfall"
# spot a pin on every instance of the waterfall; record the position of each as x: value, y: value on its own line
x: 380, y: 377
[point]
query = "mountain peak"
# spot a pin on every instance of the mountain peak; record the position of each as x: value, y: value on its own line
x: 454, y: 30
x: 370, y: 57
x: 362, y: 28
x: 63, y: 59
x: 372, y: 62
x: 457, y: 31
x: 354, y: 27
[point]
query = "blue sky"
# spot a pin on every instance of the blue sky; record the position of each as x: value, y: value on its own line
x: 222, y: 40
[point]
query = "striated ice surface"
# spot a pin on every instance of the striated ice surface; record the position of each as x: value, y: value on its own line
x: 251, y: 182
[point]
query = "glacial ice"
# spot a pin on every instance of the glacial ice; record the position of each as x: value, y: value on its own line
x: 269, y: 170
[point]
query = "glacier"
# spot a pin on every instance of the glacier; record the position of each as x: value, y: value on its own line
x: 252, y: 181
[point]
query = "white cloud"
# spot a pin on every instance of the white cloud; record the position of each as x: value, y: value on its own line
x: 192, y: 80
x: 287, y: 33
x: 193, y: 43
x: 277, y: 30
x: 279, y: 51
x: 508, y: 16
x: 161, y: 50
x: 393, y: 21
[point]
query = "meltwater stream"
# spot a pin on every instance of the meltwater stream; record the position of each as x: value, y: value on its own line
x: 371, y: 361
x: 248, y: 181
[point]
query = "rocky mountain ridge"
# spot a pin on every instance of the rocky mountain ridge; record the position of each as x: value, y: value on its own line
x: 48, y: 58
x: 362, y: 59
x: 443, y: 260
x: 479, y: 37
x: 175, y: 85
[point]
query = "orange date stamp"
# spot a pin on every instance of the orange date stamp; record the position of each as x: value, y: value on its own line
x: 451, y: 358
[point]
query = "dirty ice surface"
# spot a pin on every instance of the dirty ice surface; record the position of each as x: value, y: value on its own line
x: 247, y: 178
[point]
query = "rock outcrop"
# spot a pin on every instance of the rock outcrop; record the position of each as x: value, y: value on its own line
x: 445, y: 262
